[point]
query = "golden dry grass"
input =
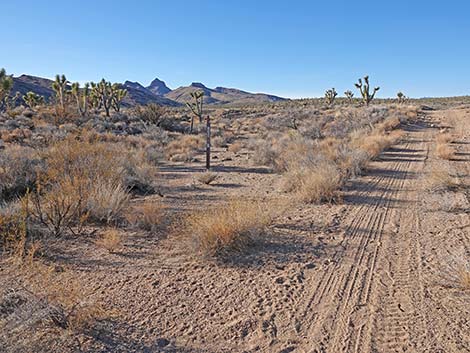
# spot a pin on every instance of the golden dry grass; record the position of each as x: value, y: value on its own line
x: 229, y: 228
x: 206, y: 177
x: 235, y: 147
x: 444, y: 138
x: 315, y: 185
x: 444, y: 151
x: 147, y: 215
x: 184, y: 148
x: 110, y: 239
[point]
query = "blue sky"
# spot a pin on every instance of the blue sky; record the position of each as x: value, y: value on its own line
x: 290, y: 48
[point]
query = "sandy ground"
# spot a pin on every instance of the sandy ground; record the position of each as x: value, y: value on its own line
x: 375, y: 273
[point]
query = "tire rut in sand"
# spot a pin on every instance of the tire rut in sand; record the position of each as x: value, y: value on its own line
x: 337, y: 315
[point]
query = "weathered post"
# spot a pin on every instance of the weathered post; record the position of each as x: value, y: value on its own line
x: 208, y: 142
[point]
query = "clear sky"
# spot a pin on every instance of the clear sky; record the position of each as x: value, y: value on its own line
x: 291, y: 48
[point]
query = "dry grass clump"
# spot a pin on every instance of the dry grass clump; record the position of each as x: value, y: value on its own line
x: 456, y: 270
x: 106, y: 201
x: 227, y: 229
x: 235, y: 147
x: 445, y: 151
x: 440, y: 179
x: 376, y: 142
x: 313, y: 185
x: 207, y: 177
x: 147, y: 215
x: 444, y: 138
x: 184, y: 149
x: 110, y: 239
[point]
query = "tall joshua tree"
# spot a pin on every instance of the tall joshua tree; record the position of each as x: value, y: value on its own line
x: 349, y: 95
x: 81, y: 97
x: 60, y: 86
x: 6, y: 83
x: 104, y: 93
x: 196, y: 107
x: 330, y: 96
x: 364, y: 88
x: 118, y: 95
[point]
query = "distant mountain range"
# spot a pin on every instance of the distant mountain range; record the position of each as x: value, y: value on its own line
x: 157, y: 92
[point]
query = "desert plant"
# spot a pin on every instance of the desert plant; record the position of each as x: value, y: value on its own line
x: 6, y: 83
x: 103, y: 95
x: 151, y: 113
x: 230, y: 228
x: 81, y: 97
x: 330, y: 96
x: 110, y: 239
x: 207, y: 177
x: 196, y: 107
x: 147, y: 215
x: 314, y: 185
x: 444, y: 151
x: 118, y: 94
x: 364, y: 88
x: 349, y: 95
x: 401, y: 97
x: 60, y: 87
x: 32, y: 99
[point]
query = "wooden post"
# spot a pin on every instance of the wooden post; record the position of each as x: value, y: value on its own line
x: 208, y: 143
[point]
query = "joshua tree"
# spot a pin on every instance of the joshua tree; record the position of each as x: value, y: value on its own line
x: 103, y: 92
x: 118, y: 95
x: 6, y: 83
x: 196, y: 107
x: 60, y: 88
x: 81, y: 96
x: 330, y: 96
x: 401, y: 97
x: 349, y: 95
x: 32, y: 99
x: 365, y: 90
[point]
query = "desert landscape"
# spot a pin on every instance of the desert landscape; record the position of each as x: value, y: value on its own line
x: 323, y: 225
x: 234, y: 176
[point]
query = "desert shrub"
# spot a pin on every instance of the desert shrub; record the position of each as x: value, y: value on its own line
x: 151, y: 113
x: 18, y: 169
x: 231, y: 228
x: 444, y: 151
x: 313, y: 185
x: 110, y: 239
x: 87, y: 181
x: 184, y: 149
x: 206, y: 177
x: 147, y: 215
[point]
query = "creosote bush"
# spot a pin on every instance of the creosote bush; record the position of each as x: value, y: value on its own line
x: 85, y: 181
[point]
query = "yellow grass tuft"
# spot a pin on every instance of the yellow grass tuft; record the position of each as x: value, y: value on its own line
x: 227, y: 229
x: 147, y: 215
x: 445, y: 151
x: 110, y: 239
